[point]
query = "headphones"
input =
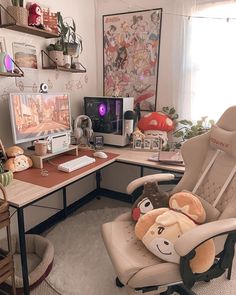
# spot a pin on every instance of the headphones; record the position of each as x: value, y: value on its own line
x: 83, y: 127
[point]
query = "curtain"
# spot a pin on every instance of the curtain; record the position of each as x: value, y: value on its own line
x: 207, y: 78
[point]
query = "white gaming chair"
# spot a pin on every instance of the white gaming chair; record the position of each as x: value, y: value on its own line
x: 210, y: 161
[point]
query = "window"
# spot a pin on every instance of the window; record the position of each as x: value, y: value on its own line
x: 213, y: 60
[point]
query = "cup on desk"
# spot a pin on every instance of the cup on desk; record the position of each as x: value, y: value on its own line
x: 41, y: 147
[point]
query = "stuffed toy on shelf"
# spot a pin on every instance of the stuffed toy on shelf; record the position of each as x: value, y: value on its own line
x: 35, y: 18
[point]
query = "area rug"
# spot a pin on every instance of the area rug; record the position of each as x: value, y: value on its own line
x: 81, y: 264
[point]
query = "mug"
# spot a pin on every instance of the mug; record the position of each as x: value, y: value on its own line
x: 41, y: 147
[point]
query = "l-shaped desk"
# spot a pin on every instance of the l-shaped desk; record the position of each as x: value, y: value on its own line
x: 29, y: 187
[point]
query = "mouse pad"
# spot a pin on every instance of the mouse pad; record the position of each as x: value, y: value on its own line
x: 56, y: 177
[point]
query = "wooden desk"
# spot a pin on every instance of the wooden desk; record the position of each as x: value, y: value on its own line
x: 22, y: 194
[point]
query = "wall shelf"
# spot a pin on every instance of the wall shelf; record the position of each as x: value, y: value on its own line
x: 25, y: 29
x: 55, y: 66
x: 8, y: 74
x: 29, y: 30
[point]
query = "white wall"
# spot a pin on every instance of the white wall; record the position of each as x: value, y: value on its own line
x: 83, y: 12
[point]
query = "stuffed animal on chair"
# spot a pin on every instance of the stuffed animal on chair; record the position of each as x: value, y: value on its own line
x: 151, y: 198
x: 159, y: 229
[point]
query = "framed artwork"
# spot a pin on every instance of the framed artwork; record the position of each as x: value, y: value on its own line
x: 25, y: 55
x: 131, y: 47
x: 2, y: 44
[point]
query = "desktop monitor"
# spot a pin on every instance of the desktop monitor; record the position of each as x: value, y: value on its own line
x: 39, y: 115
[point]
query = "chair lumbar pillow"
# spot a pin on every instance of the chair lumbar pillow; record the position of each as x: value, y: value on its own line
x: 151, y: 198
x: 159, y: 230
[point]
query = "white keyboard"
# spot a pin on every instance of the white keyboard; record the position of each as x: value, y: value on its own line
x: 75, y: 164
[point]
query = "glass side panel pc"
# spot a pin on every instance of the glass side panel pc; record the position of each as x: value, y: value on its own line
x: 106, y: 114
x: 35, y: 116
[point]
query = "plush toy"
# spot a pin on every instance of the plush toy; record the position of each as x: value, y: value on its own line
x: 151, y: 198
x: 159, y: 229
x: 14, y: 151
x: 17, y: 161
x: 156, y: 124
x: 35, y: 15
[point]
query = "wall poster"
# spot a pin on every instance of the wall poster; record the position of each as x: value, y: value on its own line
x: 131, y: 46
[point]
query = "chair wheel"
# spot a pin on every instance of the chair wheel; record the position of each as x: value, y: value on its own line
x: 118, y: 283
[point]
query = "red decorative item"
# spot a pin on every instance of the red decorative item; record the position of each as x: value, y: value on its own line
x: 35, y: 15
x: 156, y: 121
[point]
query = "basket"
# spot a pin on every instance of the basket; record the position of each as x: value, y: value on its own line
x: 18, y: 14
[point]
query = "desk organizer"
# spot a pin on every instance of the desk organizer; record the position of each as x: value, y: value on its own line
x: 6, y: 258
x: 38, y: 160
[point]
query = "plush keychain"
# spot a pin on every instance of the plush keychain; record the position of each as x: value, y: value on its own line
x: 159, y: 229
x: 35, y: 15
x: 151, y: 198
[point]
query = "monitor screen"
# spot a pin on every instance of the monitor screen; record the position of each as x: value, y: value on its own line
x: 39, y: 115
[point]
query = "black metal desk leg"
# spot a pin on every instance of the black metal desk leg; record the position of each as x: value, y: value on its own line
x: 64, y: 202
x: 98, y: 183
x: 21, y: 228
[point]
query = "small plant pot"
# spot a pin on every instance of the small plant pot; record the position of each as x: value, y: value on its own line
x: 6, y: 177
x: 19, y: 14
x: 67, y: 61
x: 72, y: 48
x: 57, y: 56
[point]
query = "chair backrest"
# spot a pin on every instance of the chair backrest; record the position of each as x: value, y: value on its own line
x: 216, y: 150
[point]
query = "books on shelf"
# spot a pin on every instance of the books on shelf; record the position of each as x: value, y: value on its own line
x: 172, y: 158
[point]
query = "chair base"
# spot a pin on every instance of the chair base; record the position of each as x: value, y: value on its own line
x: 180, y: 289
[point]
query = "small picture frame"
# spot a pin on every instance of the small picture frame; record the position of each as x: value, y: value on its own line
x: 147, y: 143
x: 3, y: 155
x: 156, y: 143
x: 138, y: 143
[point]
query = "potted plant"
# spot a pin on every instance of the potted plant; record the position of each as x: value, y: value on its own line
x: 5, y: 176
x: 70, y: 40
x: 17, y: 13
x: 55, y: 52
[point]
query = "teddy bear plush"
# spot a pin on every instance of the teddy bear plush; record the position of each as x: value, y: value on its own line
x: 159, y: 229
x: 151, y: 198
x: 35, y: 15
x: 17, y: 161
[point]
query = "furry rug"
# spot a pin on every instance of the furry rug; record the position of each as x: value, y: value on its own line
x: 81, y: 263
x: 82, y: 266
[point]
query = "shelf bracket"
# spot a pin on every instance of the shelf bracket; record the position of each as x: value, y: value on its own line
x: 2, y: 8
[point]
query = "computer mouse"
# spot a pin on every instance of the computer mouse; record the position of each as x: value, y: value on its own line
x: 100, y: 154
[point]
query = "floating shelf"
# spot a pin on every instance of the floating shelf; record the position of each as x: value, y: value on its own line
x: 29, y: 30
x: 8, y: 74
x: 59, y: 68
x: 14, y: 26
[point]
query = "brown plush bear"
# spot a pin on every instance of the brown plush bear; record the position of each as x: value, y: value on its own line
x: 151, y: 198
x: 159, y: 230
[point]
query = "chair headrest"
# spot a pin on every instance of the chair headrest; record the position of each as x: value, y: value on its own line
x: 224, y: 140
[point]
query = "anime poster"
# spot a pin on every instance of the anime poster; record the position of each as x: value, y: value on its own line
x: 131, y: 48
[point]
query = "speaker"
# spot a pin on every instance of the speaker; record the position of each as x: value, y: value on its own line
x: 6, y: 63
x: 83, y: 127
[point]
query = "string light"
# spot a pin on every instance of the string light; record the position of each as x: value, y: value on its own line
x: 189, y: 17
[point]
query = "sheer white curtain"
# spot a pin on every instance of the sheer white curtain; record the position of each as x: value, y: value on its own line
x: 204, y: 57
x: 213, y: 59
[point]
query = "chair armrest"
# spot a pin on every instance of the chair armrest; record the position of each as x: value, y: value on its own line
x: 194, y: 237
x: 155, y: 177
